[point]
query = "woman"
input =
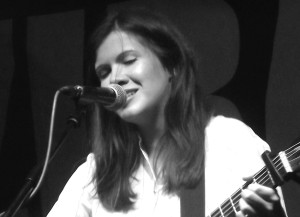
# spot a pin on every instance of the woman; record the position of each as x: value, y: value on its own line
x: 147, y: 151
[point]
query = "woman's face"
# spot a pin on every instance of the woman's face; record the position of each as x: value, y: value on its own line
x: 122, y: 59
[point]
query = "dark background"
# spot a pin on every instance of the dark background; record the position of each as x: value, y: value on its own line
x: 248, y: 51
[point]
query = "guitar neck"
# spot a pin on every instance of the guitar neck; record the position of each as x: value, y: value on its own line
x: 283, y: 163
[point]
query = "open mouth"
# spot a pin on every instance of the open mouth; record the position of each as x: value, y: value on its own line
x: 131, y: 92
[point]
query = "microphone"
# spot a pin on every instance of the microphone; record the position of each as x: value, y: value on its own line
x: 112, y: 97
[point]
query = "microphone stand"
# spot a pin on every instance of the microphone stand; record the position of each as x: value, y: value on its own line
x: 24, y: 194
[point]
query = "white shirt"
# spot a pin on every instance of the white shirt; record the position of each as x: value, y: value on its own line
x: 232, y: 152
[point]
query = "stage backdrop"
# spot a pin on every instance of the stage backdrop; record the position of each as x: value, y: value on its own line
x: 248, y: 55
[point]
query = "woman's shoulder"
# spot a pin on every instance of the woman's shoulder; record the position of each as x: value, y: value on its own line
x: 86, y: 163
x: 225, y: 127
x: 220, y: 121
x: 83, y: 174
x: 230, y: 131
x: 79, y: 192
x: 90, y: 159
x: 89, y: 165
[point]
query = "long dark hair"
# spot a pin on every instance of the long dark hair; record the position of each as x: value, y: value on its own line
x: 115, y: 142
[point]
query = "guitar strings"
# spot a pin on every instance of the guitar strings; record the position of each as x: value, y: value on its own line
x: 226, y: 206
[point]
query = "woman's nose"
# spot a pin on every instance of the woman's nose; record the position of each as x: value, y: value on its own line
x: 119, y: 77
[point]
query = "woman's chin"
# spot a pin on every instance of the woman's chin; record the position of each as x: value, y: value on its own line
x: 128, y: 115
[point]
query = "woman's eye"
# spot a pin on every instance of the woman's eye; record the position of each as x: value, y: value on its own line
x: 103, y: 73
x: 129, y: 61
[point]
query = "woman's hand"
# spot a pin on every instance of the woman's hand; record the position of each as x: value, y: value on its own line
x: 260, y: 201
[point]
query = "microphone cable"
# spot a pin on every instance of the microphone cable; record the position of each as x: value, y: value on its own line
x: 50, y: 138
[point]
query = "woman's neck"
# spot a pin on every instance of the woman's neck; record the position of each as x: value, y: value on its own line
x: 151, y: 136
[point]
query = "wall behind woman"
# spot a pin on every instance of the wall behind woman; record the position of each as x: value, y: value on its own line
x: 48, y: 55
x: 283, y: 96
x: 55, y: 59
